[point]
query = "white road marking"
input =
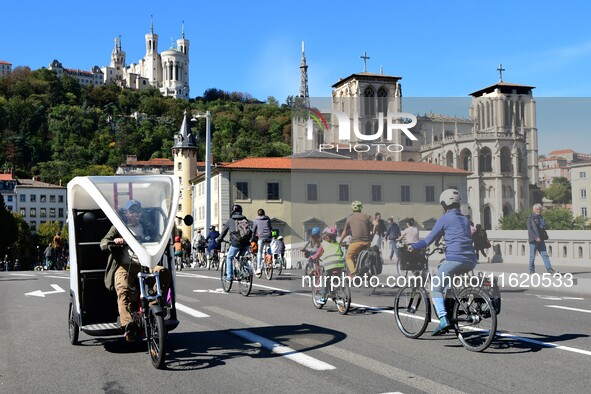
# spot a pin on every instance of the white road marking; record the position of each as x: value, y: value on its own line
x: 21, y: 274
x: 39, y: 293
x: 58, y: 277
x: 499, y: 334
x: 190, y: 311
x: 216, y: 291
x: 568, y: 308
x: 285, y: 351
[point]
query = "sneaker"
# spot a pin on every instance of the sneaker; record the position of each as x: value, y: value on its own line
x: 322, y: 300
x: 442, y: 327
x: 130, y: 332
x: 532, y: 272
x: 552, y: 271
x: 227, y: 278
x: 258, y: 271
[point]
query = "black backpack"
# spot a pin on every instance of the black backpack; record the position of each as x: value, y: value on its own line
x: 367, y: 258
x: 243, y: 232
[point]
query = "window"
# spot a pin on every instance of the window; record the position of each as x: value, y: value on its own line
x: 312, y: 192
x: 273, y: 191
x: 52, y: 198
x: 242, y: 191
x: 408, y: 142
x: 43, y: 198
x: 23, y: 198
x: 584, y: 212
x: 582, y: 174
x: 583, y: 193
x: 344, y: 193
x: 33, y: 198
x: 42, y: 213
x: 33, y: 226
x: 429, y: 193
x: 23, y: 212
x: 376, y: 193
x: 8, y: 198
x: 9, y: 208
x: 51, y: 212
x: 33, y: 212
x: 179, y: 166
x: 60, y: 212
x: 60, y: 198
x: 405, y: 193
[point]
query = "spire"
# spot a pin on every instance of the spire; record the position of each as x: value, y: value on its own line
x: 500, y: 69
x: 151, y: 24
x: 185, y: 138
x: 183, y: 30
x: 304, y: 79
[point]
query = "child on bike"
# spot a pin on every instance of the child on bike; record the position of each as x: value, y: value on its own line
x: 178, y: 246
x: 311, y: 248
x: 332, y: 258
x: 459, y: 252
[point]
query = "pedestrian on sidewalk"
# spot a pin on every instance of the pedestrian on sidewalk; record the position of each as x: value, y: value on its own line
x: 536, y: 232
x: 392, y: 234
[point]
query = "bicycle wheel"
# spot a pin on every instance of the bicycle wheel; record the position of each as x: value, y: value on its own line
x: 73, y: 328
x: 343, y: 298
x: 367, y: 288
x: 317, y: 287
x: 245, y: 283
x: 215, y: 262
x: 156, y: 340
x: 474, y: 319
x: 226, y: 285
x: 412, y: 311
x: 269, y: 269
x: 279, y: 265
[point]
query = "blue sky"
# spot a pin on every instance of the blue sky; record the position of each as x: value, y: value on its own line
x: 440, y: 49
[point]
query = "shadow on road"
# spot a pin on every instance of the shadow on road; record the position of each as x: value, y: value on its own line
x: 208, y: 349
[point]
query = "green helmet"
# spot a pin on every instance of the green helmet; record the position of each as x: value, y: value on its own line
x: 356, y: 206
x: 273, y: 233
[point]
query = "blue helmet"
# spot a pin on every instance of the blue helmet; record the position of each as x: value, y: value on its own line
x: 316, y: 231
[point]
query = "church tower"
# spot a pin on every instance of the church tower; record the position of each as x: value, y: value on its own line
x: 185, y: 168
x: 118, y: 60
x: 152, y: 67
x: 304, y: 95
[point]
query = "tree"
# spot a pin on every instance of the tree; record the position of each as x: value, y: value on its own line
x: 46, y: 231
x: 515, y: 221
x: 559, y: 191
x: 556, y: 218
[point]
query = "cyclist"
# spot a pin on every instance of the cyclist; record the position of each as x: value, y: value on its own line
x: 178, y: 250
x: 360, y: 226
x: 213, y: 244
x: 238, y: 247
x: 261, y: 228
x: 332, y: 257
x: 277, y: 247
x: 311, y: 248
x: 459, y: 252
x: 198, y: 247
x: 58, y: 248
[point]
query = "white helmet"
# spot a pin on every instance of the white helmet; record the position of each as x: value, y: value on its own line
x: 449, y: 197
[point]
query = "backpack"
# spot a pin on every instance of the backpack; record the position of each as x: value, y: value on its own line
x: 493, y: 291
x: 243, y: 232
x: 369, y: 257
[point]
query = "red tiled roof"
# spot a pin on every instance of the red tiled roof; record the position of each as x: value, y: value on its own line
x: 285, y: 163
x: 561, y: 152
x: 5, y: 62
x: 152, y: 162
x: 6, y: 177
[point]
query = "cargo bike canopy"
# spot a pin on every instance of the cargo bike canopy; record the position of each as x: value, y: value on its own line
x: 153, y: 197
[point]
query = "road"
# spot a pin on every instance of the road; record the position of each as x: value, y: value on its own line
x: 276, y: 341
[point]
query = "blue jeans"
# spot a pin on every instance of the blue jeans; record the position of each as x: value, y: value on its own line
x: 393, y: 248
x: 233, y: 252
x: 445, y: 272
x: 541, y: 248
x: 262, y: 243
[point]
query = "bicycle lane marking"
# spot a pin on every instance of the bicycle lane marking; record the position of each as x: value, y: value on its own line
x: 190, y: 311
x: 282, y: 350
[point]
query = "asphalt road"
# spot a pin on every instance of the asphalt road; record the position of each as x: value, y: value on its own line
x: 276, y: 341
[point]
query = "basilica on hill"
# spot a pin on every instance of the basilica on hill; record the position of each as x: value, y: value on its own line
x: 168, y: 71
x: 497, y: 143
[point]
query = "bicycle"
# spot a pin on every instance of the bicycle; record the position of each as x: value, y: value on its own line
x: 267, y: 258
x: 199, y: 259
x: 473, y: 316
x: 242, y: 274
x: 279, y: 264
x: 178, y: 262
x: 214, y: 259
x: 341, y: 295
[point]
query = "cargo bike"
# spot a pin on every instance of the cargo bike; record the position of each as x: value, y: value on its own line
x: 95, y: 204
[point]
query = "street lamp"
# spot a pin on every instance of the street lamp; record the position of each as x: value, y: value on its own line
x: 207, y: 117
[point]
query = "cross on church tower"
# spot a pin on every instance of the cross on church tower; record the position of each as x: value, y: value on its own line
x: 364, y: 57
x: 500, y: 69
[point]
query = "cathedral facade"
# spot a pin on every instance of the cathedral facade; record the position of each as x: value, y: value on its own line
x: 167, y: 71
x: 497, y: 142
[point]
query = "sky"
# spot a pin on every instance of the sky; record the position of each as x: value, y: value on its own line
x: 440, y: 49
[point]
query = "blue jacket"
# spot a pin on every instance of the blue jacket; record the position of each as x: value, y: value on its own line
x: 455, y: 229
